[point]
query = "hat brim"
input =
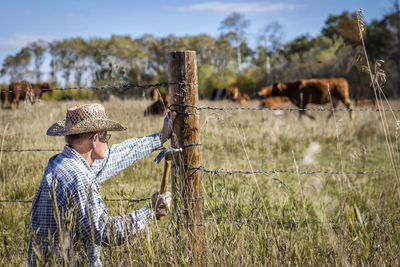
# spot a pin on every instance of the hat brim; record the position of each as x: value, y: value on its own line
x: 86, y: 126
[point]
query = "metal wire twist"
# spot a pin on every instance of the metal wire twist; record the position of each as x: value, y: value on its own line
x: 58, y: 150
x: 223, y: 171
x: 124, y: 85
x: 282, y: 221
x: 272, y: 109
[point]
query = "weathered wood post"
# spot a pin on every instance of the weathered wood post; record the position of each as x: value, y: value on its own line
x: 186, y: 178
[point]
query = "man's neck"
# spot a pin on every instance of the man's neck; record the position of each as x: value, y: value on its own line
x: 85, y: 152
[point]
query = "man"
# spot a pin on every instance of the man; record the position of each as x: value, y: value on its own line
x: 69, y: 218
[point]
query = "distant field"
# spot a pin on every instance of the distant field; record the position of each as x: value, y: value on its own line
x: 249, y: 219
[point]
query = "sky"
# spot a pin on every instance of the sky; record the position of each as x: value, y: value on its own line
x: 26, y: 21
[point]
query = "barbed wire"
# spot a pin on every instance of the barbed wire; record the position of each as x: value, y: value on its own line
x: 189, y: 145
x: 283, y: 221
x: 223, y: 171
x: 59, y: 150
x: 127, y: 199
x: 125, y: 85
x: 273, y: 109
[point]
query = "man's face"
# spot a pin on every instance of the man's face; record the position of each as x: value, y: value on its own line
x: 100, y: 144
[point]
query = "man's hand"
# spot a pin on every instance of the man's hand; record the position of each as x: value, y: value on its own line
x: 166, y: 130
x: 160, y: 203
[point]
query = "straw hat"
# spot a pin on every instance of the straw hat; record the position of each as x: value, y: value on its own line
x: 84, y: 118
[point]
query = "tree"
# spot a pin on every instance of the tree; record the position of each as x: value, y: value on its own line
x: 112, y: 73
x: 10, y: 67
x: 69, y: 55
x: 18, y: 66
x: 378, y: 39
x: 344, y: 25
x: 260, y: 58
x: 80, y: 57
x: 233, y: 29
x: 270, y: 38
x: 299, y: 46
x: 224, y: 53
x: 393, y: 23
x: 204, y: 45
x: 38, y: 50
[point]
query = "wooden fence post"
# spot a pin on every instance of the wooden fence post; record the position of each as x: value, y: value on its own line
x: 186, y: 179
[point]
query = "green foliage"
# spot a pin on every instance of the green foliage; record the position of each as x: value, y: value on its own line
x: 378, y: 37
x: 75, y: 94
x: 250, y: 80
x: 345, y: 26
x: 260, y: 58
x: 298, y: 46
x: 17, y: 66
x: 211, y: 77
x: 79, y: 94
x: 113, y: 73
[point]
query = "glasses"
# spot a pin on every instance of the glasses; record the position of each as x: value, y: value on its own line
x: 103, y: 137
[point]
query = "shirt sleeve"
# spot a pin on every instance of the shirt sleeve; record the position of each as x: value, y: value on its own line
x: 96, y: 226
x: 123, y: 155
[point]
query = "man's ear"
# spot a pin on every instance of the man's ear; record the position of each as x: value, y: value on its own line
x: 93, y: 140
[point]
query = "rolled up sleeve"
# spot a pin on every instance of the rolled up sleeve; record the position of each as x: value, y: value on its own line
x: 123, y: 155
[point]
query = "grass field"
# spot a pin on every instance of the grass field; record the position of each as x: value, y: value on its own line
x: 249, y: 219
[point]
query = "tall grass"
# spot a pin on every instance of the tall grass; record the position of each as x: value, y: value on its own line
x: 248, y: 219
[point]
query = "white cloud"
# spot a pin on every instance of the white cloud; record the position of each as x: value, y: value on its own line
x: 21, y: 39
x: 244, y: 7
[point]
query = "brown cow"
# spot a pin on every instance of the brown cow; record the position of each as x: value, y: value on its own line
x: 17, y: 91
x: 265, y: 91
x: 242, y: 99
x: 159, y: 107
x: 315, y: 91
x: 4, y: 97
x: 154, y: 94
x: 39, y: 88
x: 273, y: 102
x: 368, y: 103
x: 233, y: 93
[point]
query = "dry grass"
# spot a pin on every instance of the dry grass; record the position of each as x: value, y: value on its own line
x: 364, y: 207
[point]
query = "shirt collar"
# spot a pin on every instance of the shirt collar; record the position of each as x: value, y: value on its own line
x: 73, y: 154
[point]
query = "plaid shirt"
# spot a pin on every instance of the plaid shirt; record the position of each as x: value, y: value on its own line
x: 74, y: 185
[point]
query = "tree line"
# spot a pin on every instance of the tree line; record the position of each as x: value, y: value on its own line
x: 226, y: 60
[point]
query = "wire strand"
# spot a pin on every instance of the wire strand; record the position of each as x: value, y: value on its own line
x: 275, y: 109
x: 223, y: 171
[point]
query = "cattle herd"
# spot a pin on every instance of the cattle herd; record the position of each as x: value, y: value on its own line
x: 298, y: 92
x: 22, y: 91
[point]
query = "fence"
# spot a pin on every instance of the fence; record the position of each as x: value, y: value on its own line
x: 195, y: 111
x: 182, y: 83
x: 127, y: 85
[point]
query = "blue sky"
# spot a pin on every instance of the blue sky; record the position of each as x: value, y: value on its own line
x: 25, y: 21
